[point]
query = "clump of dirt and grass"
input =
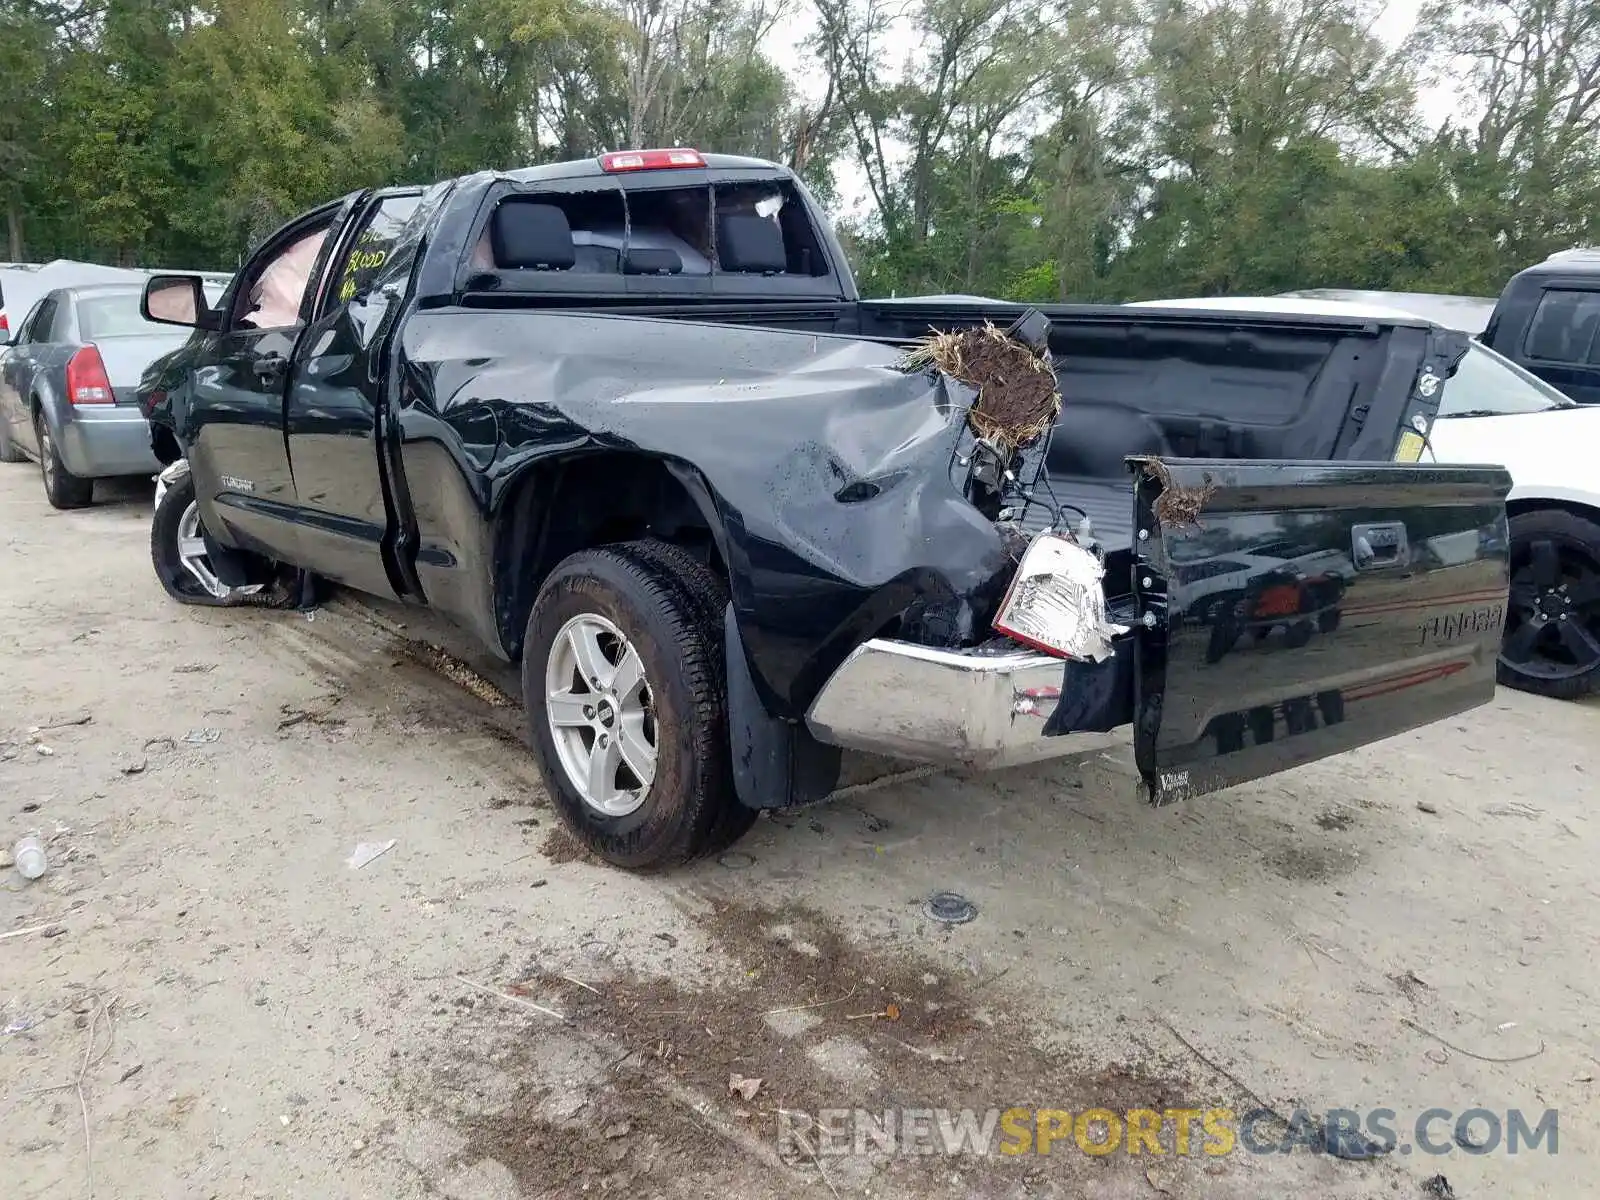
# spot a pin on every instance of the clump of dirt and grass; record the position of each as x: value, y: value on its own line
x: 1018, y: 400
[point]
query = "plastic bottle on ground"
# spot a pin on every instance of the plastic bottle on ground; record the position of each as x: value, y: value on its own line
x: 29, y: 856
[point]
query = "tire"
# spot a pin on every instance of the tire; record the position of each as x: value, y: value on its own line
x: 167, y: 531
x: 61, y: 487
x: 9, y: 451
x: 706, y: 592
x: 616, y: 601
x: 1555, y: 571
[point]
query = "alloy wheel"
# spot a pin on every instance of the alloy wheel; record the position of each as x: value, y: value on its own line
x: 1553, y: 629
x: 194, y: 557
x: 601, y: 714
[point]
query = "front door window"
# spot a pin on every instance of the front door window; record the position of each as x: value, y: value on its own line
x: 276, y: 296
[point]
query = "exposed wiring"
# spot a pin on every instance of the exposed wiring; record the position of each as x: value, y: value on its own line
x: 1055, y: 504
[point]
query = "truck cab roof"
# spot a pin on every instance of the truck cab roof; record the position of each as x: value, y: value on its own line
x: 656, y: 163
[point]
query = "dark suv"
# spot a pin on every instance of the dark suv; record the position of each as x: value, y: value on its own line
x: 1548, y: 321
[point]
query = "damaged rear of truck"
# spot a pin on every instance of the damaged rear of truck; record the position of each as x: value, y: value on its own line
x: 734, y: 521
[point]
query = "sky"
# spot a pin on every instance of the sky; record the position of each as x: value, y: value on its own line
x: 786, y: 43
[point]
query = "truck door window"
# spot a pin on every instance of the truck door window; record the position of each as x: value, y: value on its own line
x: 1564, y: 327
x: 275, y: 295
x: 369, y: 251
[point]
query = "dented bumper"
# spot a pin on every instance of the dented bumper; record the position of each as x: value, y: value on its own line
x: 951, y: 707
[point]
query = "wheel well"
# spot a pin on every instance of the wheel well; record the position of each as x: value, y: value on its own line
x: 164, y: 445
x: 1533, y: 504
x: 558, y: 509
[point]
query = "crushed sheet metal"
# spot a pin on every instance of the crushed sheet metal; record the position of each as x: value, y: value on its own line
x: 1056, y: 601
x: 1177, y: 507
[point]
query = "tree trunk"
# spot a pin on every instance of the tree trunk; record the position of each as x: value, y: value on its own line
x: 14, y: 231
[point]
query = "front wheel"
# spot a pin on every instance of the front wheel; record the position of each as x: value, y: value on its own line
x: 1552, y: 637
x: 626, y: 696
x: 178, y: 551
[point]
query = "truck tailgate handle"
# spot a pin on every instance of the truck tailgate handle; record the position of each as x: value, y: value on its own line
x: 1380, y: 545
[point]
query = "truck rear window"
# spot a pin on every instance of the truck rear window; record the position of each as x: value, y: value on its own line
x: 742, y: 229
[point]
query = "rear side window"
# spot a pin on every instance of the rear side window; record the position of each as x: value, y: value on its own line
x: 43, y: 317
x: 1564, y: 327
x: 369, y: 252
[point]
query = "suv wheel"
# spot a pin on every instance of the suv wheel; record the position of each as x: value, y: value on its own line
x: 1552, y: 637
x: 624, y: 683
x: 61, y: 487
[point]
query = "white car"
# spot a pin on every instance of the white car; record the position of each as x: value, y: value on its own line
x: 1492, y: 411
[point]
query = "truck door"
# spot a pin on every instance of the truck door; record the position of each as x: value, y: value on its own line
x: 235, y: 423
x: 335, y: 400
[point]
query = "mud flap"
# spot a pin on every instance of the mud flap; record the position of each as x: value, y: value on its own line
x: 1290, y: 611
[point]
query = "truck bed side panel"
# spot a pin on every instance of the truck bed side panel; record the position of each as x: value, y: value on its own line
x: 828, y: 469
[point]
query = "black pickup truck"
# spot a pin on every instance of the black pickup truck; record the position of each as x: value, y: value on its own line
x: 628, y: 421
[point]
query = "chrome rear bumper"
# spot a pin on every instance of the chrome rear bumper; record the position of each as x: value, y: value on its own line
x: 950, y: 707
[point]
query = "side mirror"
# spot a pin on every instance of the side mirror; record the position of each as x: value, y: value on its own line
x: 176, y: 300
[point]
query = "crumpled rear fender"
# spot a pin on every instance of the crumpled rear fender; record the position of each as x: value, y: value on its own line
x: 824, y: 471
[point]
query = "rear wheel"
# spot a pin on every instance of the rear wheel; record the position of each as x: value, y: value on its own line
x: 627, y: 703
x: 1552, y: 637
x: 61, y: 487
x: 708, y: 595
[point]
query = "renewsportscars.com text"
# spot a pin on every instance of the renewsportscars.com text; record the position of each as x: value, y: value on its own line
x: 1212, y: 1132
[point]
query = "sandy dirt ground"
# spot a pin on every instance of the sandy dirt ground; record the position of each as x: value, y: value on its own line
x: 202, y: 999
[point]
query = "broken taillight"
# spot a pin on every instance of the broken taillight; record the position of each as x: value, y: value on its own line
x: 650, y: 160
x: 1056, y: 603
x: 87, y: 381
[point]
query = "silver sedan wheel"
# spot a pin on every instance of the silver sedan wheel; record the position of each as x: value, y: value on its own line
x: 47, y: 455
x: 193, y: 555
x: 601, y: 714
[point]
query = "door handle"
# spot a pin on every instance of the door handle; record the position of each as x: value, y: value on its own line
x: 1380, y: 545
x: 268, y: 367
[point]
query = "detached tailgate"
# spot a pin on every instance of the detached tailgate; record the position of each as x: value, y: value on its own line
x: 1290, y: 611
